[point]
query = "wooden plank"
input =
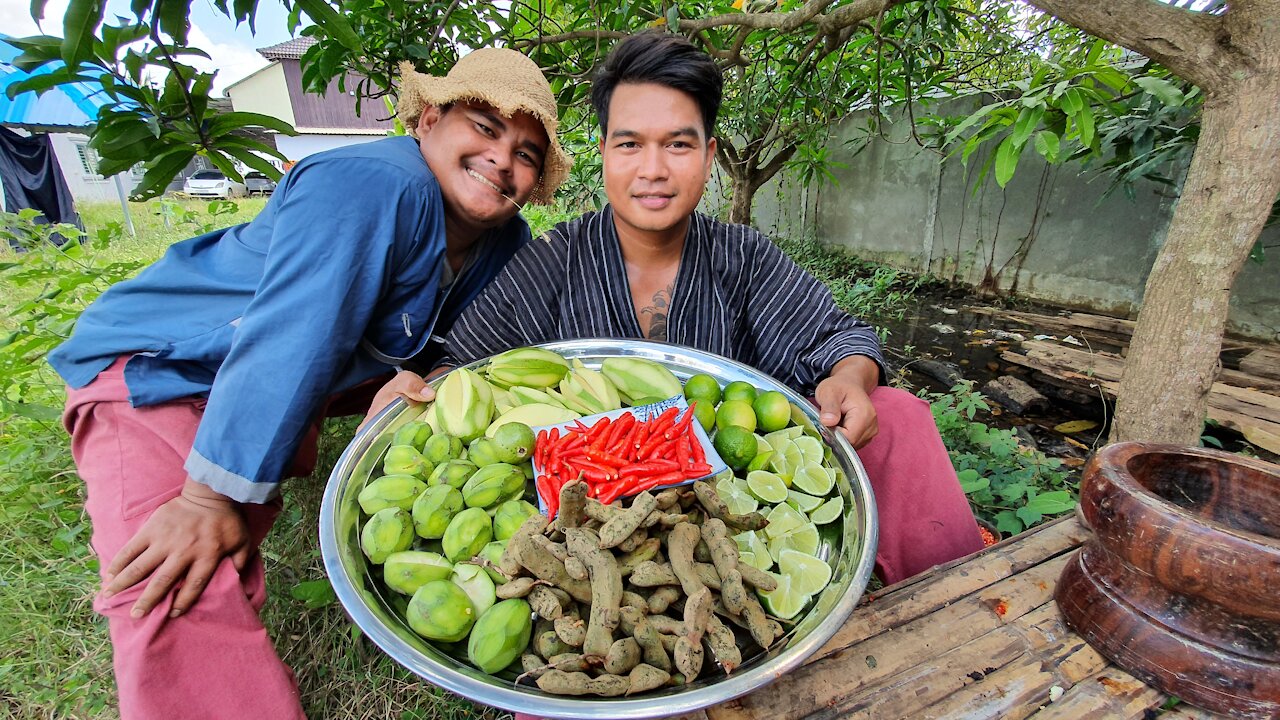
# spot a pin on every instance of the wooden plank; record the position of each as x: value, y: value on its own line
x: 1264, y: 362
x: 1110, y: 693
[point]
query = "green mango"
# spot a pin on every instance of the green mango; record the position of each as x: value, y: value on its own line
x: 434, y: 509
x: 515, y: 441
x: 483, y: 451
x: 442, y: 448
x: 493, y: 553
x: 491, y: 483
x: 510, y: 516
x: 406, y: 460
x: 453, y: 473
x: 475, y: 582
x: 500, y: 635
x: 408, y: 570
x: 390, y: 491
x: 440, y: 610
x: 388, y: 531
x: 467, y: 534
x: 414, y: 433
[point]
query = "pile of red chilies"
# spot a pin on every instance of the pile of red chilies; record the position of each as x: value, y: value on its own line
x: 621, y: 457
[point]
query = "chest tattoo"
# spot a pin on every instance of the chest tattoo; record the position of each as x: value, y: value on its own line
x: 657, y: 312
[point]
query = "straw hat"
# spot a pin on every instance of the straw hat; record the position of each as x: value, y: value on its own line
x: 505, y: 79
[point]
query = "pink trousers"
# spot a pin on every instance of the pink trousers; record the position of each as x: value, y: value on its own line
x: 217, y: 661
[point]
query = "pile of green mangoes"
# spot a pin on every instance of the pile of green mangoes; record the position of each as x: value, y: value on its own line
x: 437, y: 506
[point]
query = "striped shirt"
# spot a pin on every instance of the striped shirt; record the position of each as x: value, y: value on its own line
x: 736, y: 295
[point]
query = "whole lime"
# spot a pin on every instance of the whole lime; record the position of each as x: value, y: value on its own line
x: 740, y: 390
x: 736, y: 412
x: 705, y: 412
x: 773, y: 412
x: 736, y: 445
x: 703, y: 388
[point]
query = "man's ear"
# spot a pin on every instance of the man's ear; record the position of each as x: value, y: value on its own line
x: 431, y: 115
x: 711, y: 159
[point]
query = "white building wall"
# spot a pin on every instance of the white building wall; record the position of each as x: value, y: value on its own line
x: 79, y: 165
x: 299, y: 146
x: 265, y: 92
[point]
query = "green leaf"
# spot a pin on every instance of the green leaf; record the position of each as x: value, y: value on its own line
x: 1084, y: 124
x: 1028, y: 516
x: 331, y: 22
x: 1047, y: 144
x: 161, y: 171
x: 971, y: 483
x: 971, y: 120
x: 1028, y: 121
x: 1051, y: 503
x: 78, y: 26
x: 1007, y: 160
x: 314, y: 593
x: 1164, y: 90
x: 175, y: 19
x: 1072, y: 101
x: 231, y: 121
x: 1007, y: 522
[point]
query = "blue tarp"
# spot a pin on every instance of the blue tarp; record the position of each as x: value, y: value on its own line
x: 66, y: 106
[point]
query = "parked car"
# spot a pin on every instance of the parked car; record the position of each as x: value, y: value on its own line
x: 213, y: 184
x: 259, y: 184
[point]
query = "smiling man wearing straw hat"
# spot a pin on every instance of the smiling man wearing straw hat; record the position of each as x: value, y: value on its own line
x: 195, y: 386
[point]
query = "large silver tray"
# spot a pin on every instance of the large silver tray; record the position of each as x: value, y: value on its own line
x: 850, y: 549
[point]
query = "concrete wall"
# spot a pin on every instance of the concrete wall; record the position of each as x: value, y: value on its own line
x: 266, y: 92
x: 1050, y: 235
x: 297, y: 147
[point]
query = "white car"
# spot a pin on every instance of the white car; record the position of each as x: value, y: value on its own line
x: 213, y: 184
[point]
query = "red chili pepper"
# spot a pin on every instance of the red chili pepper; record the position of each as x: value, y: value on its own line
x: 696, y: 471
x: 579, y: 427
x: 572, y: 440
x: 682, y: 426
x: 605, y: 458
x: 620, y: 428
x: 646, y: 452
x: 541, y: 484
x: 670, y: 478
x: 663, y: 421
x: 695, y: 446
x: 666, y: 449
x: 650, y: 467
x: 595, y: 431
x: 642, y: 436
x: 623, y: 446
x: 594, y: 471
x: 684, y: 454
x: 540, y: 448
x: 579, y: 451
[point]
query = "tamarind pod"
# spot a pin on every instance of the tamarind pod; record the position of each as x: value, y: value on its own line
x: 623, y: 655
x: 636, y: 600
x: 622, y: 525
x: 669, y: 642
x: 757, y: 622
x: 688, y: 657
x: 530, y: 527
x: 571, y: 630
x: 666, y: 624
x: 573, y: 499
x: 653, y: 574
x: 680, y: 545
x: 575, y: 568
x: 777, y: 628
x: 645, y: 677
x: 715, y: 507
x: 633, y: 541
x: 598, y: 511
x: 519, y: 587
x: 532, y: 664
x: 757, y: 578
x: 661, y: 598
x: 535, y: 558
x: 668, y: 498
x: 558, y: 682
x: 698, y: 609
x: 554, y: 548
x: 635, y: 624
x: 701, y: 552
x: 606, y: 588
x: 545, y: 603
x: 733, y: 592
x: 724, y: 648
x: 665, y: 519
x: 647, y: 550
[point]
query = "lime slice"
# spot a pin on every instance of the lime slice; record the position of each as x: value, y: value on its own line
x: 807, y: 573
x: 766, y: 486
x: 828, y: 512
x: 777, y: 438
x: 735, y: 496
x: 784, y: 602
x: 762, y: 444
x: 811, y: 448
x: 804, y: 539
x: 753, y: 551
x: 803, y: 502
x: 760, y: 461
x: 787, y: 462
x: 813, y: 479
x: 782, y: 520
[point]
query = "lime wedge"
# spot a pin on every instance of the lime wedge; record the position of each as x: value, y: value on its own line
x: 813, y: 479
x: 782, y: 520
x: 778, y: 438
x: 828, y: 512
x: 762, y: 444
x: 811, y: 448
x: 753, y: 551
x: 804, y: 539
x: 803, y: 502
x: 807, y: 573
x: 760, y: 461
x: 784, y: 602
x: 766, y: 486
x: 734, y: 494
x: 786, y: 462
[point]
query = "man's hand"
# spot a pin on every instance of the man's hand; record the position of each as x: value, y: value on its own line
x: 408, y: 385
x: 183, y: 541
x: 844, y: 399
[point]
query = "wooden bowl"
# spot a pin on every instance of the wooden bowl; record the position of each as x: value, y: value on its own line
x: 1180, y: 584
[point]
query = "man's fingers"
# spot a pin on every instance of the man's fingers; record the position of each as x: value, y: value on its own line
x: 135, y: 572
x: 420, y: 394
x: 829, y: 411
x: 162, y: 581
x: 127, y: 555
x: 198, y: 577
x: 240, y: 557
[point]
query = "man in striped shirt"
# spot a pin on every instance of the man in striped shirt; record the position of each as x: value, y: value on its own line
x: 650, y: 266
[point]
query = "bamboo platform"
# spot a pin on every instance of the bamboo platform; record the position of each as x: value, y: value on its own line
x: 978, y: 638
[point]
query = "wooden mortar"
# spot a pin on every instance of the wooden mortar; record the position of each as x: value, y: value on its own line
x: 1180, y: 584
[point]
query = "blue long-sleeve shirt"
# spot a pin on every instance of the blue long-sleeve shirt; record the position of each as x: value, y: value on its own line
x: 335, y: 282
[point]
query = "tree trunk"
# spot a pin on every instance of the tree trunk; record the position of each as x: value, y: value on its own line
x: 1231, y: 184
x: 744, y: 195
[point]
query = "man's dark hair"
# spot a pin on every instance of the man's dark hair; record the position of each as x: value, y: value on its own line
x: 659, y: 57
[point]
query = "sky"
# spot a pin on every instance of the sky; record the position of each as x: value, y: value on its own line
x: 233, y: 50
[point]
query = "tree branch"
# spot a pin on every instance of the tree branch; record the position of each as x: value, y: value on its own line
x: 1186, y: 42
